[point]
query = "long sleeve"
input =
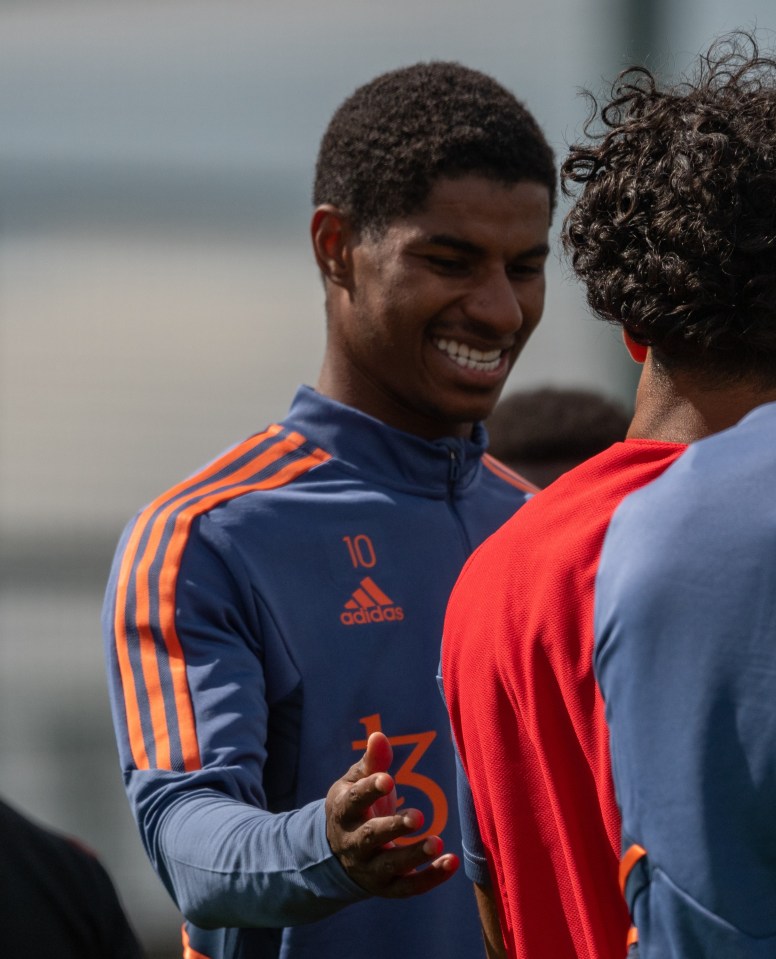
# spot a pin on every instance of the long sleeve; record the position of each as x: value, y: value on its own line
x: 187, y: 655
x: 227, y: 863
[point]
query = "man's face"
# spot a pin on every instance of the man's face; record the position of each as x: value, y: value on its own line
x: 440, y: 306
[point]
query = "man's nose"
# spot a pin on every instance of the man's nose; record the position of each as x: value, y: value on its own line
x: 493, y: 302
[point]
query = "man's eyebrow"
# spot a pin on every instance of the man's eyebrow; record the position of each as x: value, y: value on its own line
x: 541, y: 249
x: 455, y: 243
x: 474, y: 249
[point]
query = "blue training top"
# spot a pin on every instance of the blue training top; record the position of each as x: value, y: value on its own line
x: 262, y: 618
x: 686, y: 660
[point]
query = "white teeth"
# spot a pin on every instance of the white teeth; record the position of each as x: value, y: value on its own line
x: 468, y: 357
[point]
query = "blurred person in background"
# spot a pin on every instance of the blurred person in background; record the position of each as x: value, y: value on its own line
x: 275, y: 619
x: 674, y: 234
x: 56, y: 899
x: 545, y: 432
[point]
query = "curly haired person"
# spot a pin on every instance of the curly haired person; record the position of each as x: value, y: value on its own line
x: 673, y: 232
x: 274, y: 620
x: 686, y: 591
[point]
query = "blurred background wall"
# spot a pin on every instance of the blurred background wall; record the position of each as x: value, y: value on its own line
x: 158, y: 299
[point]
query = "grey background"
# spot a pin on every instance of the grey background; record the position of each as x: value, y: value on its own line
x: 158, y: 299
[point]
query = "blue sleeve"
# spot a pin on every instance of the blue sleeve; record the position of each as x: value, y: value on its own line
x: 474, y: 860
x: 227, y: 863
x: 685, y: 614
x: 193, y: 742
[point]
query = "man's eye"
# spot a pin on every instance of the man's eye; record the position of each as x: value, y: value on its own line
x: 447, y: 264
x: 525, y: 270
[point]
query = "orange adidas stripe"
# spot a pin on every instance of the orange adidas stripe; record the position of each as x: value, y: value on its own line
x: 188, y: 952
x: 508, y: 475
x: 131, y: 706
x: 632, y: 855
x: 186, y: 724
x: 148, y: 652
x: 219, y: 491
x: 633, y: 937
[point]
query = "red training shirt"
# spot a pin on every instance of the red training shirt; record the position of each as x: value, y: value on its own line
x: 527, y: 715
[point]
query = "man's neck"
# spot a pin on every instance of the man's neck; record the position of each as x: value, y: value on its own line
x: 677, y: 409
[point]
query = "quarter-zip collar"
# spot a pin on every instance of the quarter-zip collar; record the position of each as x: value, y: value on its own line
x: 388, y: 456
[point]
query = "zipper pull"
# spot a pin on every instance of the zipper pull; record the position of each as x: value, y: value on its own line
x: 454, y: 469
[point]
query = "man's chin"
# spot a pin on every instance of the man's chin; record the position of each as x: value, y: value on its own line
x: 474, y: 411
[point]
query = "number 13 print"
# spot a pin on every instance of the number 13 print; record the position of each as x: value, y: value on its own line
x: 406, y: 775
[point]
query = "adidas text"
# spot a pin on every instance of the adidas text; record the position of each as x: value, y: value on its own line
x: 378, y: 614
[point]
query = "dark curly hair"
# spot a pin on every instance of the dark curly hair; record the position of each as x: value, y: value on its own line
x: 394, y: 137
x: 674, y: 230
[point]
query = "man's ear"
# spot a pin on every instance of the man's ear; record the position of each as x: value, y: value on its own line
x: 637, y: 351
x: 332, y: 235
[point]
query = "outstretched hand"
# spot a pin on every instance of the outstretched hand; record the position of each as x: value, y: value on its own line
x: 362, y: 825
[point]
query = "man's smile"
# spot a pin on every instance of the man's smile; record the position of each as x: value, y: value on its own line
x: 485, y: 361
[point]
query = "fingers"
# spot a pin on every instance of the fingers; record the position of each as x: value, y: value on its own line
x: 401, y: 872
x: 396, y: 872
x: 349, y: 803
x: 367, y: 789
x: 362, y: 827
x: 378, y: 758
x: 373, y: 835
x: 424, y: 880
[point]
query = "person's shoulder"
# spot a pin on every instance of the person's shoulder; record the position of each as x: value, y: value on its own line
x: 731, y: 456
x: 267, y: 461
x: 574, y: 508
x: 723, y: 473
x: 583, y: 484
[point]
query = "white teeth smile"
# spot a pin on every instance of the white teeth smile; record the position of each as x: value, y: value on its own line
x: 468, y: 357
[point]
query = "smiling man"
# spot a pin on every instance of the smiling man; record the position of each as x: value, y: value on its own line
x: 427, y: 317
x: 275, y: 619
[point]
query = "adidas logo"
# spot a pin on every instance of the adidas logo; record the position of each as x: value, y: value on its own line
x: 369, y: 604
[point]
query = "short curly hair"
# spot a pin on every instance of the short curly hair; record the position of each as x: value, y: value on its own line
x: 674, y: 229
x: 390, y: 141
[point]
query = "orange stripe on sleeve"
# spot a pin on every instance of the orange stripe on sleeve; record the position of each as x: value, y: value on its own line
x: 168, y: 578
x: 188, y: 952
x: 508, y: 475
x: 134, y: 726
x: 633, y: 854
x: 186, y: 723
x: 201, y: 501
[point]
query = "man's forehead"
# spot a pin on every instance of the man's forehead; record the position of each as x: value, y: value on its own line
x: 477, y: 191
x: 459, y: 210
